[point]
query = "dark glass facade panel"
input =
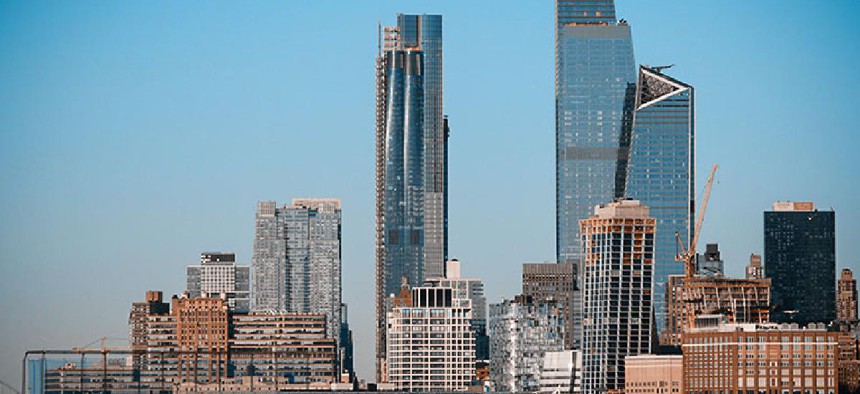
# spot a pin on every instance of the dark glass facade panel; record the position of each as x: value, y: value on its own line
x: 660, y: 171
x: 404, y: 169
x: 800, y: 259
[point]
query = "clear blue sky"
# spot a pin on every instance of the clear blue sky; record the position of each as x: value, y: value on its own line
x: 134, y: 135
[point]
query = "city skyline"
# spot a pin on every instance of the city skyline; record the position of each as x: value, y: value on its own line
x: 77, y: 159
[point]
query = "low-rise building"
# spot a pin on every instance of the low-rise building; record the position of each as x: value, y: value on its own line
x: 760, y: 358
x: 653, y: 374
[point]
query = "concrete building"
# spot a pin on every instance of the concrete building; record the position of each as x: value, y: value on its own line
x: 522, y: 331
x: 430, y: 345
x: 473, y: 289
x: 200, y: 343
x: 760, y: 358
x: 137, y: 324
x: 297, y: 259
x: 217, y: 275
x: 754, y: 269
x: 709, y: 263
x: 740, y: 300
x: 800, y: 258
x: 618, y: 244
x: 557, y: 282
x: 654, y: 374
x: 846, y: 303
x: 561, y: 372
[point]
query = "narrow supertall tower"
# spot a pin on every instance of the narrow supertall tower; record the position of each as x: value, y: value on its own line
x: 411, y: 161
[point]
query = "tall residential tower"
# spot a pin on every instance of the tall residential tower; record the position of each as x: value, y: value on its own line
x: 411, y: 160
x: 297, y: 259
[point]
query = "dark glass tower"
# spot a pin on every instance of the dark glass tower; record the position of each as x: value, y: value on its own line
x: 660, y: 170
x: 800, y: 259
x: 411, y: 160
x: 595, y: 84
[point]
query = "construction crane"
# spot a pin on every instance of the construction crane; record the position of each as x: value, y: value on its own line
x: 688, y: 254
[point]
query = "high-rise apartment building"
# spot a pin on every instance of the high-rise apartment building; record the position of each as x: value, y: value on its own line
x: 411, y: 160
x: 297, y: 259
x: 618, y: 248
x: 522, y: 331
x: 595, y: 83
x: 660, y: 170
x: 218, y: 275
x: 654, y: 374
x: 739, y: 300
x: 800, y: 258
x: 473, y: 289
x: 760, y: 358
x: 557, y: 281
x: 846, y: 303
x: 430, y: 343
x: 137, y: 324
x: 754, y: 269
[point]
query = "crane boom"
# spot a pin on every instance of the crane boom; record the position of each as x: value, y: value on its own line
x: 690, y: 261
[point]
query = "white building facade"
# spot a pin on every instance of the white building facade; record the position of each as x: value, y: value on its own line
x: 430, y: 345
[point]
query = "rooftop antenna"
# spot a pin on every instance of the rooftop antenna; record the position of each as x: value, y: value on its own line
x: 660, y: 69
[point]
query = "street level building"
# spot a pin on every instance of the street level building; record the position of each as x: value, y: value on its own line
x: 618, y: 242
x: 522, y: 331
x: 846, y: 304
x: 561, y: 372
x: 739, y: 300
x: 760, y: 358
x: 654, y: 374
x: 557, y: 281
x: 800, y: 258
x: 297, y: 259
x: 430, y: 343
x: 217, y: 275
x: 411, y: 161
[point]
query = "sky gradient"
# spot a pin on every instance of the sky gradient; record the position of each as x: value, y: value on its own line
x: 135, y: 135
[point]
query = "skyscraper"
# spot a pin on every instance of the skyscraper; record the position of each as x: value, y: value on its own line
x: 411, y: 160
x: 217, y: 275
x: 660, y: 170
x: 846, y: 303
x: 595, y: 76
x: 800, y: 258
x: 297, y: 259
x: 618, y: 244
x: 754, y: 269
x: 595, y: 82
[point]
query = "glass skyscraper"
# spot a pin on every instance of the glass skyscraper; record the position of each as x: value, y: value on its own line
x: 411, y: 160
x: 800, y: 259
x: 595, y: 85
x: 660, y: 170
